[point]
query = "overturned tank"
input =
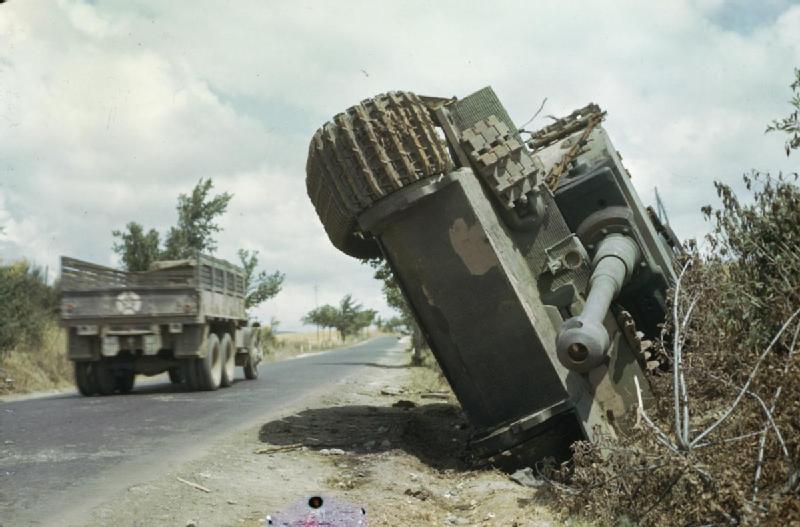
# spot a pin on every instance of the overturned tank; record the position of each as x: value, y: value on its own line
x: 531, y: 266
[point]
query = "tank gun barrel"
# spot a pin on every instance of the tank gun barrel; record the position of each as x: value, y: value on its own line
x: 583, y: 339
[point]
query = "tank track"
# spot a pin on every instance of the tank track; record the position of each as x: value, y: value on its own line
x: 500, y: 159
x: 366, y: 153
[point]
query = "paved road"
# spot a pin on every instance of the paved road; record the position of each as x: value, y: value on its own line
x: 63, y: 454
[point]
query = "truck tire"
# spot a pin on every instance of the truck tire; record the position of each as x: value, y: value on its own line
x: 84, y: 378
x: 176, y: 375
x: 105, y: 379
x: 250, y: 368
x: 188, y: 369
x: 229, y: 360
x: 253, y: 357
x: 208, y: 369
x: 366, y: 153
x: 124, y: 379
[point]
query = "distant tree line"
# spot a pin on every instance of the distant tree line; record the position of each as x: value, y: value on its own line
x: 348, y: 318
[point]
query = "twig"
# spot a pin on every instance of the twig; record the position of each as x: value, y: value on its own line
x: 763, y: 441
x: 529, y: 121
x: 729, y: 439
x: 660, y: 435
x: 278, y: 448
x: 767, y: 412
x: 746, y: 386
x: 194, y: 485
x: 663, y: 494
x: 771, y: 421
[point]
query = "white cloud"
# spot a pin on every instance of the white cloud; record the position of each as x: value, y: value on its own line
x: 109, y: 110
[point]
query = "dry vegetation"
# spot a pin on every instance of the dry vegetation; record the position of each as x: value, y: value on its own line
x: 283, y: 346
x: 722, y: 443
x: 43, y: 366
x: 32, y: 348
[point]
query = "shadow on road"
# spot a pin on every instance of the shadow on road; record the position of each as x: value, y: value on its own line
x: 436, y: 434
x: 370, y: 364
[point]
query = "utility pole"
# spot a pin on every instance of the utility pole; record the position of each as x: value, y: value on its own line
x: 316, y: 306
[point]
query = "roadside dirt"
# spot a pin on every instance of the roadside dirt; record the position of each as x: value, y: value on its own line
x: 391, y: 441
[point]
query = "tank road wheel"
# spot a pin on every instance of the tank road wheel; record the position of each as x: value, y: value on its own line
x: 84, y: 378
x: 124, y: 380
x: 229, y: 360
x: 176, y: 375
x: 208, y: 369
x: 253, y: 358
x: 366, y: 153
x: 105, y: 379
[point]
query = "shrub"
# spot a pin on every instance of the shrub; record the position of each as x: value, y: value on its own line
x: 27, y: 304
x: 741, y: 367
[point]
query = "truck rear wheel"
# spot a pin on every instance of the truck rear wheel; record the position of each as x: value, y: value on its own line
x: 188, y: 369
x: 253, y: 357
x: 176, y: 375
x: 208, y: 369
x: 84, y: 378
x: 250, y: 368
x: 366, y: 153
x: 229, y: 360
x: 124, y: 380
x: 105, y: 380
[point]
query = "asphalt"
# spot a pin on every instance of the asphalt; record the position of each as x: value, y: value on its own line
x: 63, y: 454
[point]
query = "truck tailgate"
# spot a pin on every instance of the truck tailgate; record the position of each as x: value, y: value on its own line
x: 129, y: 304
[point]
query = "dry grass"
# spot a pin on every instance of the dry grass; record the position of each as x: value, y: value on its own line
x: 25, y: 369
x: 288, y: 345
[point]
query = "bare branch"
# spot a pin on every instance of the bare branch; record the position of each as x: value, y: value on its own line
x: 763, y: 441
x: 771, y: 421
x: 688, y: 315
x: 660, y: 435
x: 529, y: 121
x: 760, y: 459
x: 729, y: 439
x: 746, y: 386
x: 678, y: 386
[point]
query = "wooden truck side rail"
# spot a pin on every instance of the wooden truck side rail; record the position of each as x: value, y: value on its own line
x: 222, y: 289
x: 205, y: 288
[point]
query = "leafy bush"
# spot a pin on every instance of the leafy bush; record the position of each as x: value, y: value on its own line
x: 27, y: 304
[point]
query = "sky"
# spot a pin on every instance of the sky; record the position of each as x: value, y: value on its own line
x: 110, y: 109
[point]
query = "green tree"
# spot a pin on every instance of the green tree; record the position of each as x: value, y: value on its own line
x: 790, y: 124
x: 261, y: 286
x: 348, y: 318
x: 137, y: 248
x: 364, y: 319
x: 327, y: 317
x: 395, y: 299
x: 347, y: 315
x: 391, y: 290
x: 197, y: 222
x: 198, y: 213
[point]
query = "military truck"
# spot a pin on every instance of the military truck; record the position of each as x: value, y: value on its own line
x: 531, y: 265
x: 184, y: 317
